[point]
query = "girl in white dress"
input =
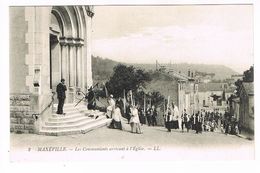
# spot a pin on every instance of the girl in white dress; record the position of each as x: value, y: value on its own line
x: 134, y: 121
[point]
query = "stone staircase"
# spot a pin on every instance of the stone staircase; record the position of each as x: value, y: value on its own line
x: 76, y: 121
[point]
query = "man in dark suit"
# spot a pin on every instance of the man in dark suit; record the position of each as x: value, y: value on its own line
x: 91, y: 99
x: 154, y: 115
x: 61, y: 95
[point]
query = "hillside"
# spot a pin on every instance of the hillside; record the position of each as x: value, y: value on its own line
x: 103, y: 68
x: 221, y: 71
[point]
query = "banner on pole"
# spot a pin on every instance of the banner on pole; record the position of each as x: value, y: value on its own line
x: 124, y: 101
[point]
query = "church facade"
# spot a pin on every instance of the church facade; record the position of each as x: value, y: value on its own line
x: 46, y: 45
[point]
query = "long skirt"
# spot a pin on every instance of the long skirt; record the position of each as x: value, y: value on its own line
x: 135, y: 127
x: 193, y: 126
x: 175, y: 124
x: 149, y: 120
x: 142, y: 119
x: 115, y: 125
x: 198, y: 127
x: 169, y: 125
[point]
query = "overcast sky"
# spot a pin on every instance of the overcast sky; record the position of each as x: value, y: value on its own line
x: 210, y: 34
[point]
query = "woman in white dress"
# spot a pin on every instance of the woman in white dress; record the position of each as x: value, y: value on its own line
x: 116, y: 118
x: 176, y: 117
x: 169, y: 118
x: 134, y: 121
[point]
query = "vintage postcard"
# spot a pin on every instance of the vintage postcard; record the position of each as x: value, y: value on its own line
x: 142, y: 82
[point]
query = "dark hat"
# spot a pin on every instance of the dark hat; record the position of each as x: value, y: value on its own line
x: 62, y: 80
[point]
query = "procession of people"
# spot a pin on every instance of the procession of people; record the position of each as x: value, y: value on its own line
x: 201, y: 121
x: 136, y: 115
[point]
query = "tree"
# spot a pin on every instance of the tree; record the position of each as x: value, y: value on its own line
x: 157, y: 98
x: 126, y: 78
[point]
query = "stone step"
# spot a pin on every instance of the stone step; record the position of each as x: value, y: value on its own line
x: 72, y: 112
x: 72, y: 107
x: 67, y: 113
x: 73, y: 126
x: 66, y: 117
x: 74, y: 121
x: 59, y: 118
x: 83, y: 129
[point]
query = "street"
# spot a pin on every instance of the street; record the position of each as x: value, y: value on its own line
x: 208, y: 145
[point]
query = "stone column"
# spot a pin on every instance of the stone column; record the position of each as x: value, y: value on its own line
x: 71, y: 66
x: 79, y: 69
x: 67, y: 65
x: 73, y: 53
x: 71, y: 84
x: 82, y: 70
x: 75, y: 65
x: 61, y: 61
x: 74, y: 57
x: 64, y: 60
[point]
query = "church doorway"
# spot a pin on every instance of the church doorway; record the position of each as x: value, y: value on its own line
x: 54, y: 61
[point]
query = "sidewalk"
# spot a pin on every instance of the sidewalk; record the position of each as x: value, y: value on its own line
x: 246, y: 135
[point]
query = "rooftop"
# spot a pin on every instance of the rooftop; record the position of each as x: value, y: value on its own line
x: 203, y: 87
x: 177, y: 75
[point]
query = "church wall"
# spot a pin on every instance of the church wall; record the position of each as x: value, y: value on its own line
x: 20, y: 97
x: 18, y: 50
x: 20, y: 114
x: 29, y: 65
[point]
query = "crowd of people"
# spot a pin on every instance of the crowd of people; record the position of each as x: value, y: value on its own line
x: 207, y: 121
x: 202, y: 121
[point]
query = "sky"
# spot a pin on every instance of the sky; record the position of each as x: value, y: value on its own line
x: 204, y: 34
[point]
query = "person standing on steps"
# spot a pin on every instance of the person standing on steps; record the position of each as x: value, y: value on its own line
x: 61, y: 95
x: 91, y: 99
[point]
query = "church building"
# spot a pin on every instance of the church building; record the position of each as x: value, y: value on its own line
x: 47, y: 43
